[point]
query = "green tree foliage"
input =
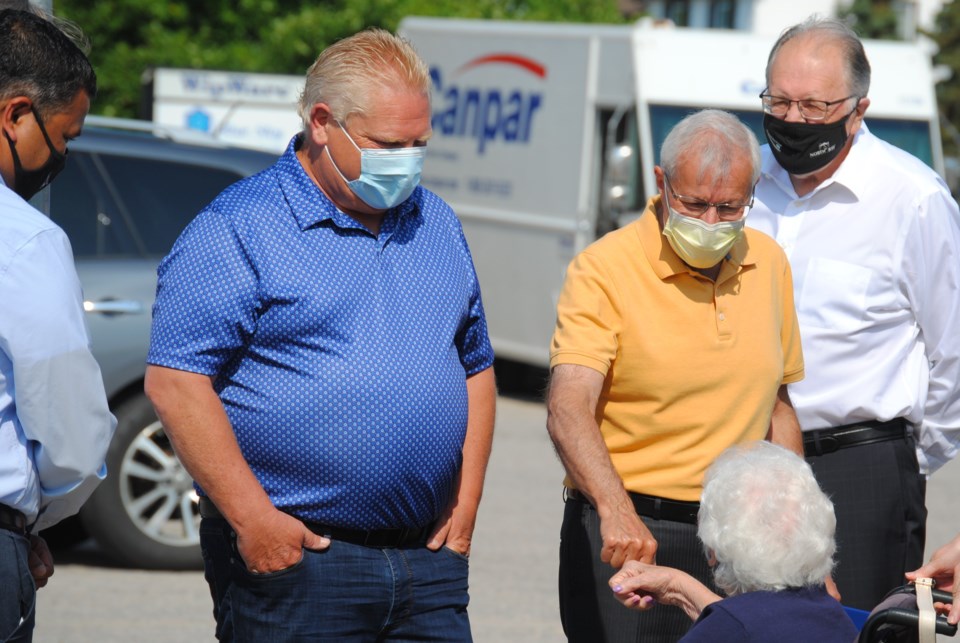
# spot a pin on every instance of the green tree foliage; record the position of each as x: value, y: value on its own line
x: 129, y: 37
x: 947, y: 38
x: 875, y: 19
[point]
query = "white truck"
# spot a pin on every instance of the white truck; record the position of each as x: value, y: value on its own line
x: 545, y: 137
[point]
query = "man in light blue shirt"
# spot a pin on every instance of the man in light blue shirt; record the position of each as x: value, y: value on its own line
x: 55, y: 425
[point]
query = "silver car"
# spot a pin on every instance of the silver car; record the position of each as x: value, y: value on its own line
x: 125, y: 195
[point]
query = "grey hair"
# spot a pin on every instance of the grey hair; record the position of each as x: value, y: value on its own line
x: 70, y: 29
x: 765, y: 520
x: 41, y: 62
x: 858, y: 67
x: 346, y: 73
x: 716, y: 139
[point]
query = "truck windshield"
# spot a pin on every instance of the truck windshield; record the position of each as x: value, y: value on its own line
x: 911, y: 136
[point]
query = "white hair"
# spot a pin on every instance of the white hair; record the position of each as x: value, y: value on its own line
x: 837, y: 31
x: 714, y: 139
x: 765, y: 521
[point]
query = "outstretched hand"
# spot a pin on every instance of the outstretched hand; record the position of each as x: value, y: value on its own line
x: 641, y: 586
x: 944, y: 568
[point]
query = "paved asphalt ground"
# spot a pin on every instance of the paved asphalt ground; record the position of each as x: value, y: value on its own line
x: 513, y: 565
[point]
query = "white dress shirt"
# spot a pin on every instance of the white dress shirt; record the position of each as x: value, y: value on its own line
x: 875, y: 252
x: 55, y: 425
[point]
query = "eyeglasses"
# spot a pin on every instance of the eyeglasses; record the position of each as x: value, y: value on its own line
x: 698, y: 207
x: 812, y: 110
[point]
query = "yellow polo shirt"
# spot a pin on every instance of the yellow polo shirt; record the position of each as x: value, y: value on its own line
x: 691, y: 366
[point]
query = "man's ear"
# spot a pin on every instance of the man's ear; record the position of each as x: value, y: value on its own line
x: 320, y: 117
x: 11, y: 111
x: 658, y: 175
x: 861, y: 109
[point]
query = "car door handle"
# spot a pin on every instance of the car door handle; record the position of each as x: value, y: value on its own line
x: 114, y: 307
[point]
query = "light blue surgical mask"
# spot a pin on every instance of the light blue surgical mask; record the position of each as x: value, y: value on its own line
x: 387, y: 176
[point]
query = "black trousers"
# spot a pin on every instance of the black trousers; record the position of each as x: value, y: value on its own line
x: 878, y: 495
x: 588, y: 610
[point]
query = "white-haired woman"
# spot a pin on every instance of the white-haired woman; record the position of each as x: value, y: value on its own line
x: 768, y: 532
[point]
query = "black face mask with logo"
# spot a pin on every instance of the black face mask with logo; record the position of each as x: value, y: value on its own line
x: 802, y: 148
x: 26, y: 183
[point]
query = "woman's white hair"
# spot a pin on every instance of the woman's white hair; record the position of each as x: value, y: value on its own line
x: 765, y: 521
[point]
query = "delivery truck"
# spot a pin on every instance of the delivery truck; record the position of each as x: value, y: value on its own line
x: 545, y: 136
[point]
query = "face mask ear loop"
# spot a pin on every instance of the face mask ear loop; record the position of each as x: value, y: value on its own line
x: 352, y: 142
x: 43, y: 130
x: 349, y: 138
x: 334, y: 164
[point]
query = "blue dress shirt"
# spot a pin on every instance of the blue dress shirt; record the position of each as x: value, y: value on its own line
x: 340, y: 357
x: 55, y: 425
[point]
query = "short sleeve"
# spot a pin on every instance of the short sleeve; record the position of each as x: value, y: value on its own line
x: 589, y: 319
x: 473, y: 340
x: 206, y: 305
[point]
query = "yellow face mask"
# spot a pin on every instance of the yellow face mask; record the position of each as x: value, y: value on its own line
x: 698, y: 243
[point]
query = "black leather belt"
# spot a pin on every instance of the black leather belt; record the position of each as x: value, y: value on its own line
x: 654, y: 507
x: 13, y: 520
x: 824, y: 441
x: 377, y: 538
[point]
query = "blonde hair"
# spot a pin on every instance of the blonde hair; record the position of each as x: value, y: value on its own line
x: 347, y: 72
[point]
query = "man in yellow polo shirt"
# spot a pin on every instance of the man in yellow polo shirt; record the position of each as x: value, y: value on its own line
x: 676, y: 336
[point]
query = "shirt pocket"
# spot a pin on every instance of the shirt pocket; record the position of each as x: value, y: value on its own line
x: 834, y: 294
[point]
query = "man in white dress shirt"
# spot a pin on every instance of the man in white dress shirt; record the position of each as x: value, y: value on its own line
x: 874, y: 242
x: 55, y: 425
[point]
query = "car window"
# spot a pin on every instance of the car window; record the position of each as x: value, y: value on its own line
x: 74, y: 205
x: 122, y: 206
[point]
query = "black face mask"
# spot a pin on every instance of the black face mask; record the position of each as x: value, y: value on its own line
x: 802, y: 148
x: 26, y: 183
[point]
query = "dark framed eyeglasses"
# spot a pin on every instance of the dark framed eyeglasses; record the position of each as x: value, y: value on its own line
x: 698, y: 207
x: 811, y: 110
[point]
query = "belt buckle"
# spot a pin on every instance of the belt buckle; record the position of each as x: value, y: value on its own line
x: 385, y: 538
x: 368, y: 540
x: 829, y: 444
x: 822, y: 443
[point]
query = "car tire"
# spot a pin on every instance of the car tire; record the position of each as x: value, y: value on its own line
x: 145, y: 513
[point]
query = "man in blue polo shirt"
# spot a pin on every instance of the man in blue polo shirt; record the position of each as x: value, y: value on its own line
x: 320, y: 361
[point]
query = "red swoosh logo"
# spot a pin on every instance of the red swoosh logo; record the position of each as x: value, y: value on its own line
x: 529, y: 64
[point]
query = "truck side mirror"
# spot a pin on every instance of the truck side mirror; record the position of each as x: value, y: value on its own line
x: 618, y: 184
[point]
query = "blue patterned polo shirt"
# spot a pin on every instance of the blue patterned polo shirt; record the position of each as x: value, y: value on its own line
x: 340, y: 357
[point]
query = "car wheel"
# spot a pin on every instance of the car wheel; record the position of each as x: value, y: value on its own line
x: 145, y: 513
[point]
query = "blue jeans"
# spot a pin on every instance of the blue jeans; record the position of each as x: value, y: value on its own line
x: 18, y: 596
x: 344, y: 593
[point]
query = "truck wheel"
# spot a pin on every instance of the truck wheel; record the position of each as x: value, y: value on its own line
x: 145, y: 513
